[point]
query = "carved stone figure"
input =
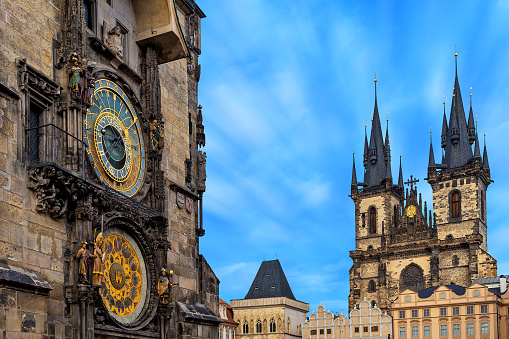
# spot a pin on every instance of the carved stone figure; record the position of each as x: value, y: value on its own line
x: 83, y: 256
x: 156, y: 135
x: 89, y: 82
x: 164, y: 286
x: 114, y: 39
x: 190, y: 65
x: 97, y: 273
x: 202, y: 173
x: 75, y: 81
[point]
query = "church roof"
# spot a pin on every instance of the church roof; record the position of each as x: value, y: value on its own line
x: 427, y: 292
x: 270, y: 281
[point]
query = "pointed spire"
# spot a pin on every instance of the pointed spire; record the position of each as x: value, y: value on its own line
x: 445, y: 129
x: 431, y: 162
x: 354, y: 174
x: 485, y: 162
x: 387, y: 152
x: 376, y: 164
x: 471, y: 124
x: 477, y: 149
x: 366, y: 146
x: 443, y: 157
x: 400, y: 179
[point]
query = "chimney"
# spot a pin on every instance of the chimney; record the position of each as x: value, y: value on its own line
x: 503, y: 284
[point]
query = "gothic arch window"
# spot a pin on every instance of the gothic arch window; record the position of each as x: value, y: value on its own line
x: 289, y: 326
x: 272, y: 325
x: 258, y: 326
x: 483, y: 206
x: 455, y: 204
x: 264, y: 325
x: 372, y: 286
x: 372, y: 220
x: 411, y: 278
x: 396, y: 216
x: 455, y: 260
x: 245, y: 327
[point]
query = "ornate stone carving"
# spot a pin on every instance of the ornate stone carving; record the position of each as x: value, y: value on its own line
x: 202, y: 173
x: 113, y: 38
x: 73, y: 31
x: 156, y: 135
x: 30, y: 79
x: 190, y: 65
x: 411, y: 278
x: 189, y: 171
x: 200, y: 129
x: 52, y: 189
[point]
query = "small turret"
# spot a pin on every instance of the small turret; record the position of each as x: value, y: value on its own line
x: 400, y: 178
x: 388, y: 155
x: 445, y: 130
x: 354, y: 174
x: 472, y: 135
x: 477, y: 149
x: 431, y: 162
x: 485, y: 162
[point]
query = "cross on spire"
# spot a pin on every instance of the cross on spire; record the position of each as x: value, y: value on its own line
x: 411, y: 182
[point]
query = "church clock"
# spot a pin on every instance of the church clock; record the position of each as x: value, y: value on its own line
x: 114, y: 139
x: 411, y: 211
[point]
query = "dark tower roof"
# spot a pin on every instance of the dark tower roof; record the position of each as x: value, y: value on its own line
x: 270, y: 281
x: 400, y: 178
x: 477, y: 149
x: 431, y: 162
x: 354, y: 174
x: 388, y: 173
x: 376, y: 168
x: 458, y: 150
x: 471, y: 124
x: 485, y: 162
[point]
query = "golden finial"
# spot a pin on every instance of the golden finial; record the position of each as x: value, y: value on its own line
x: 375, y: 76
x: 387, y: 116
x: 455, y: 53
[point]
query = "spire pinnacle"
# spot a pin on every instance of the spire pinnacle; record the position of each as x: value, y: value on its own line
x: 388, y: 151
x: 431, y: 162
x: 354, y: 174
x: 485, y: 162
x: 456, y: 60
x: 400, y: 179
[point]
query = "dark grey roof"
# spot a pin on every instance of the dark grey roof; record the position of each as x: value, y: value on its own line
x: 270, y: 281
x: 489, y: 280
x: 431, y: 161
x: 22, y: 278
x: 485, y: 162
x: 354, y: 174
x: 427, y: 292
x: 199, y: 312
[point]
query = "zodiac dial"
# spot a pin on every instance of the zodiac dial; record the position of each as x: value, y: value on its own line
x: 114, y: 139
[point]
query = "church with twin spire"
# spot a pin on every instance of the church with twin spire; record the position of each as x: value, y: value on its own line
x: 401, y: 242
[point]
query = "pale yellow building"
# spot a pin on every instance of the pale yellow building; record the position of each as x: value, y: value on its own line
x: 365, y: 321
x: 269, y: 310
x: 452, y: 311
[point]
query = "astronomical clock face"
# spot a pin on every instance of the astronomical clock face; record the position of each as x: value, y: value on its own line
x: 124, y: 286
x: 410, y: 211
x: 114, y: 139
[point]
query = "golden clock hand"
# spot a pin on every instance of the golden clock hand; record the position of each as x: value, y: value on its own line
x: 131, y: 125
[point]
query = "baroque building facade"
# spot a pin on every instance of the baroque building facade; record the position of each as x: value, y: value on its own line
x: 101, y: 171
x: 269, y: 310
x: 399, y: 243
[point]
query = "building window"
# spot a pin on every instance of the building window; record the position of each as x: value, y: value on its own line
x: 372, y: 286
x: 443, y: 311
x: 356, y: 330
x: 402, y: 314
x: 484, y: 308
x: 483, y: 201
x: 456, y: 329
x: 425, y: 313
x: 477, y: 293
x: 402, y: 332
x: 411, y: 278
x: 442, y: 295
x: 408, y: 298
x: 455, y: 260
x: 426, y: 329
x: 108, y: 2
x: 396, y: 216
x: 374, y: 328
x: 415, y: 331
x: 245, y: 327
x: 470, y: 309
x: 363, y: 219
x: 484, y: 328
x: 272, y: 325
x: 329, y: 331
x: 313, y: 332
x: 443, y: 330
x: 470, y: 329
x: 455, y: 311
x: 89, y: 7
x: 372, y: 220
x: 455, y: 204
x: 365, y: 329
x: 322, y: 331
x: 258, y: 326
x: 415, y: 313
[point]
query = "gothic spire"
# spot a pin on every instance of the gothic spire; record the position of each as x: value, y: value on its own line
x: 471, y: 124
x: 445, y: 129
x: 485, y: 162
x: 388, y: 153
x: 431, y: 162
x: 354, y: 174
x: 400, y: 179
x: 366, y: 146
x: 477, y: 150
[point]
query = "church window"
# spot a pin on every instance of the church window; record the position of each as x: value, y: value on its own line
x: 245, y: 327
x: 313, y: 332
x: 272, y: 325
x: 363, y: 219
x: 483, y: 201
x: 258, y: 326
x: 455, y: 260
x: 411, y: 278
x: 372, y: 220
x: 356, y: 329
x: 365, y: 329
x: 455, y: 204
x: 264, y: 326
x: 329, y: 331
x: 374, y: 328
x: 396, y: 216
x: 372, y: 286
x: 34, y: 134
x: 89, y: 9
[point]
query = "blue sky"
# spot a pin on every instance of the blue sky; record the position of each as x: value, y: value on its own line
x: 286, y: 88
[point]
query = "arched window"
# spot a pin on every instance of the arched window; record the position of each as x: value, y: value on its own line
x: 264, y: 326
x: 396, y: 216
x: 455, y: 204
x: 258, y: 326
x: 372, y: 220
x: 245, y: 327
x: 372, y: 286
x: 411, y: 278
x: 483, y: 201
x: 455, y: 260
x: 272, y: 325
x: 289, y: 326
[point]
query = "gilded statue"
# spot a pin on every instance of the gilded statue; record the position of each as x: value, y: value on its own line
x: 83, y: 256
x: 97, y: 273
x: 75, y: 79
x: 165, y: 286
